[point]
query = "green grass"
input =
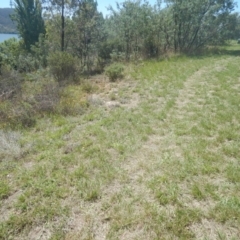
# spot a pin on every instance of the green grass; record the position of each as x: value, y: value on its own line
x: 158, y: 166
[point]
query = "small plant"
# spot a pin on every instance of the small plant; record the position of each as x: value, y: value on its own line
x: 113, y: 97
x: 88, y: 87
x: 114, y: 72
x: 4, y: 190
x: 63, y: 66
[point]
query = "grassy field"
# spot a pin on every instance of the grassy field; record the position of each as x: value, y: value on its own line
x: 155, y: 156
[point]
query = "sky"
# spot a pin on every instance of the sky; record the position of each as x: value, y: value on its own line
x: 103, y: 4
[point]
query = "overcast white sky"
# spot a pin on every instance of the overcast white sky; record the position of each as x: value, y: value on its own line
x: 102, y: 4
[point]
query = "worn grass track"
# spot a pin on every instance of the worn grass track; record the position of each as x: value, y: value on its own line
x: 156, y: 156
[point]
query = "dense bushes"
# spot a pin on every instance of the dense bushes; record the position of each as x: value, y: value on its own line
x: 63, y: 67
x: 24, y: 96
x: 15, y: 57
x: 9, y: 52
x: 40, y: 98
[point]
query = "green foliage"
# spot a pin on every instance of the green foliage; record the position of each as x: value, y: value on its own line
x: 106, y: 48
x: 4, y: 190
x: 87, y: 87
x: 63, y: 66
x: 27, y: 63
x: 227, y: 209
x: 181, y: 26
x: 13, y: 55
x: 9, y: 52
x: 133, y: 24
x: 117, y: 56
x: 114, y: 71
x: 137, y: 30
x: 40, y: 51
x: 195, y: 24
x: 30, y: 24
x: 87, y: 32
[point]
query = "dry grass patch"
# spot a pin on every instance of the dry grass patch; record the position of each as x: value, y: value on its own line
x: 10, y: 144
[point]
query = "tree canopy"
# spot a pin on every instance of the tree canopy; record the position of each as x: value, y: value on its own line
x: 132, y: 30
x: 30, y: 23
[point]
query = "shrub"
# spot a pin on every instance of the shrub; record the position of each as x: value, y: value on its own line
x: 73, y: 102
x: 23, y: 115
x: 40, y: 50
x: 48, y: 98
x: 17, y: 114
x: 63, y: 66
x: 114, y: 71
x: 88, y: 87
x: 10, y: 83
x: 27, y: 63
x: 10, y: 51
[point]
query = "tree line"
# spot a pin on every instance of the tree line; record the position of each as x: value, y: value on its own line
x: 62, y: 40
x: 132, y: 29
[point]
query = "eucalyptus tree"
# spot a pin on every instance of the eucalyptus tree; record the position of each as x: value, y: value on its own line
x: 54, y: 32
x: 198, y: 22
x: 146, y: 30
x: 164, y: 30
x: 234, y: 26
x: 59, y: 10
x: 87, y: 31
x: 132, y: 23
x: 30, y: 23
x: 124, y: 24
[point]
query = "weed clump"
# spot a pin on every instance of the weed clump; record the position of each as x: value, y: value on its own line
x: 114, y: 71
x: 4, y: 190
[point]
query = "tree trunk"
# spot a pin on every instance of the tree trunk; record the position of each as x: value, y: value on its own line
x: 62, y: 38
